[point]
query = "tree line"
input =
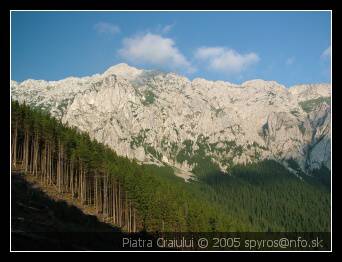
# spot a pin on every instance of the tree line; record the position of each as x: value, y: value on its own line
x: 133, y: 196
x: 57, y: 156
x: 138, y: 197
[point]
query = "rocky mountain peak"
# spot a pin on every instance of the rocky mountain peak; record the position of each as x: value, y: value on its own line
x: 165, y: 118
x: 311, y: 91
x: 260, y: 83
x: 123, y: 70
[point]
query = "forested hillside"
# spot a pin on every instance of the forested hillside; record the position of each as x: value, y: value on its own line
x: 258, y: 197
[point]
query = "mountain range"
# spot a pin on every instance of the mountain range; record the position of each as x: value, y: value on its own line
x: 167, y: 119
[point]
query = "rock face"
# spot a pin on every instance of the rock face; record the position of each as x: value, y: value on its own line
x: 167, y: 119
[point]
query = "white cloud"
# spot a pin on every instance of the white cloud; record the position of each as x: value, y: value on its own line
x: 226, y: 60
x: 290, y: 60
x: 326, y: 53
x: 154, y: 50
x: 167, y: 28
x: 209, y: 52
x: 326, y: 62
x: 107, y: 28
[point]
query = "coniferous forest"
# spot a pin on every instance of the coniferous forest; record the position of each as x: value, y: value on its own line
x: 263, y: 196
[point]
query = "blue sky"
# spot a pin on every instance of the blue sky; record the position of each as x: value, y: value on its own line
x: 288, y: 47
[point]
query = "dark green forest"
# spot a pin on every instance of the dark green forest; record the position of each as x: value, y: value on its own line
x: 263, y: 196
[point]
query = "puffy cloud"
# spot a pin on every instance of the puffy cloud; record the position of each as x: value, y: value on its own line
x: 154, y: 49
x: 225, y: 59
x: 106, y: 28
x: 326, y: 53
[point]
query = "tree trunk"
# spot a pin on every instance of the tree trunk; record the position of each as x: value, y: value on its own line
x: 14, y: 145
